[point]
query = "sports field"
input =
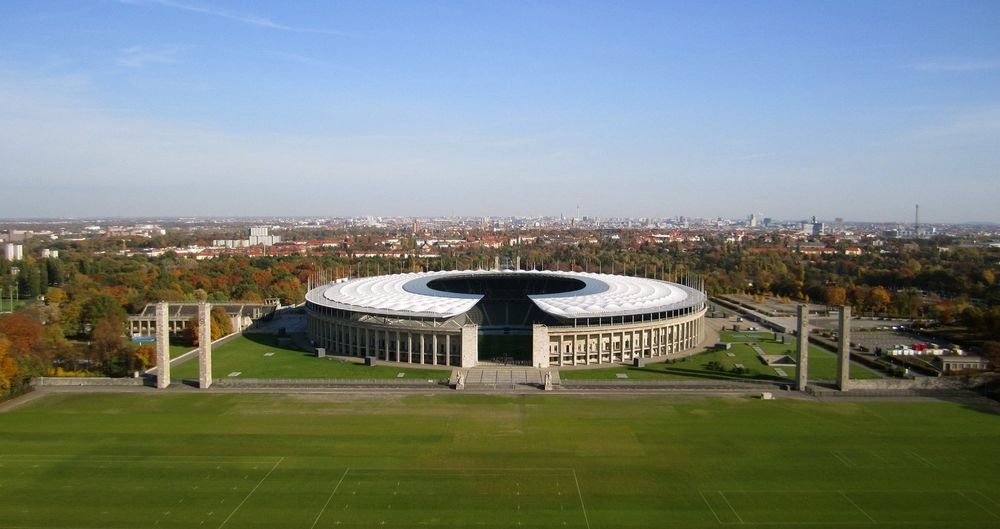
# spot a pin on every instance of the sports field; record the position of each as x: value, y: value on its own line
x: 186, y: 460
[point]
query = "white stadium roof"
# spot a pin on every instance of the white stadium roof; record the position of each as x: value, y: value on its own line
x: 409, y: 295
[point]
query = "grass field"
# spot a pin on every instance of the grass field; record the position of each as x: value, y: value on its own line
x: 177, y: 350
x: 247, y: 355
x: 184, y: 460
x: 822, y: 363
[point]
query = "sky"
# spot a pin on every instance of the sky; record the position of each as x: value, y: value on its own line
x: 854, y: 109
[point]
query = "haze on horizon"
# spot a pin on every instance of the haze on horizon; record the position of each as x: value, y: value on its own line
x: 215, y: 108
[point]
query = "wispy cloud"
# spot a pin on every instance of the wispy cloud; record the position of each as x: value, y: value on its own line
x: 245, y: 18
x: 954, y: 65
x: 141, y: 56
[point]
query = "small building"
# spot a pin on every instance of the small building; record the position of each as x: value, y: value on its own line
x: 242, y: 316
x: 954, y: 363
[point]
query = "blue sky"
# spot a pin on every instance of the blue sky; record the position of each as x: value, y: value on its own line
x: 791, y: 109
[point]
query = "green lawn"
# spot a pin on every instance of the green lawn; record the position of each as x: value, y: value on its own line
x: 246, y: 354
x: 189, y: 460
x: 177, y: 350
x: 822, y: 363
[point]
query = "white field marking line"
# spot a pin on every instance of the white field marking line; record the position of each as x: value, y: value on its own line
x: 884, y: 460
x: 580, y: 494
x: 844, y: 460
x: 321, y: 511
x: 704, y: 499
x: 985, y: 497
x: 856, y: 506
x: 977, y: 504
x: 921, y: 458
x: 247, y: 497
x: 731, y: 508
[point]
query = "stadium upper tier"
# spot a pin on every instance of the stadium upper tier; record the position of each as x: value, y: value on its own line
x: 572, y: 295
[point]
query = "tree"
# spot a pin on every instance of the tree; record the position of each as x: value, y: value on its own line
x: 145, y: 355
x: 835, y: 296
x: 107, y: 341
x: 878, y: 299
x: 8, y: 367
x: 24, y: 333
x: 55, y: 296
x: 990, y: 351
x: 189, y: 334
x: 221, y: 324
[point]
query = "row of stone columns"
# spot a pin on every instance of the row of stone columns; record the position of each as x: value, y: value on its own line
x: 843, y: 349
x: 204, y: 345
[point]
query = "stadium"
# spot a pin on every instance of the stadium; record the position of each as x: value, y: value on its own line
x: 505, y: 317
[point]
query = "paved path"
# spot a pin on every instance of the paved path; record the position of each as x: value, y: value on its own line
x: 21, y: 399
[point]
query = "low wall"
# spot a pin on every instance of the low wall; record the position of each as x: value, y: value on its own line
x: 674, y: 384
x: 323, y: 382
x: 918, y: 383
x: 86, y: 381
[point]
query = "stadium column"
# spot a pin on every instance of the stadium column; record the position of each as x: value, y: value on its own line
x: 204, y: 345
x: 434, y: 349
x: 470, y: 345
x: 423, y: 348
x: 162, y: 345
x: 802, y: 349
x: 539, y: 346
x: 447, y: 349
x: 844, y: 351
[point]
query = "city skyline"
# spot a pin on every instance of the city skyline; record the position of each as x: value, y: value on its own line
x: 190, y: 108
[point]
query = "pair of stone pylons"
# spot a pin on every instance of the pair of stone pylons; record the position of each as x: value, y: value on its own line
x: 163, y: 345
x: 843, y: 348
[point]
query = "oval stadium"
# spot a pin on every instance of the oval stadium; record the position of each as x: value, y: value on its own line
x: 512, y: 317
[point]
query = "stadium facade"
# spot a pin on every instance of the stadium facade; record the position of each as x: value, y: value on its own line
x: 546, y: 318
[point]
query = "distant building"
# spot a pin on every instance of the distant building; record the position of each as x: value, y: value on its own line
x: 13, y: 252
x: 241, y: 315
x: 259, y: 236
x: 814, y: 228
x: 953, y: 364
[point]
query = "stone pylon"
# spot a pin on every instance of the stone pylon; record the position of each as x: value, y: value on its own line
x: 162, y: 345
x: 802, y: 349
x: 204, y: 345
x: 844, y: 349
